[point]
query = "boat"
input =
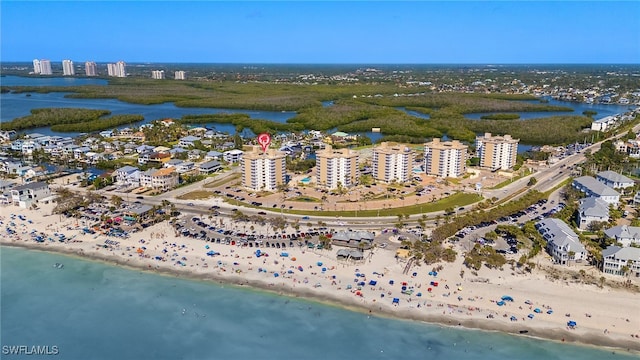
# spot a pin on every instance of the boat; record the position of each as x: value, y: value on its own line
x: 58, y: 265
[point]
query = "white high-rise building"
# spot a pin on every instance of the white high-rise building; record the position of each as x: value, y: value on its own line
x: 263, y: 171
x: 117, y: 69
x: 37, y: 69
x: 45, y: 67
x: 67, y: 68
x: 179, y: 75
x: 157, y: 74
x: 90, y: 68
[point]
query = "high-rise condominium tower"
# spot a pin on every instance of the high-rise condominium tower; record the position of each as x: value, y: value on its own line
x: 90, y: 68
x: 67, y: 68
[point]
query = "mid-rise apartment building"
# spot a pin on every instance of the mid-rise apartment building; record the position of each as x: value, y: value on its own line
x: 497, y: 152
x: 263, y: 171
x: 392, y: 162
x: 445, y: 159
x: 336, y: 167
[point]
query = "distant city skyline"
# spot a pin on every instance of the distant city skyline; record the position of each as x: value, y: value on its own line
x: 333, y: 32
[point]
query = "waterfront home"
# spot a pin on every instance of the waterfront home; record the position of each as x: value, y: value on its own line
x: 34, y: 173
x: 6, y: 185
x: 563, y: 244
x: 125, y: 132
x: 8, y: 135
x: 139, y: 212
x: 624, y: 235
x: 188, y: 141
x: 209, y: 167
x: 162, y: 179
x: 16, y: 145
x: 106, y: 133
x: 67, y: 150
x: 592, y: 209
x: 212, y: 134
x: 27, y: 194
x: 79, y: 153
x: 592, y: 187
x: 233, y: 156
x: 127, y: 175
x: 29, y: 146
x: 604, y: 123
x: 129, y: 148
x: 112, y: 145
x: 621, y: 261
x: 167, y: 122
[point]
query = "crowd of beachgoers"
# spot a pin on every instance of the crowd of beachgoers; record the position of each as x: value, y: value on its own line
x: 380, y: 284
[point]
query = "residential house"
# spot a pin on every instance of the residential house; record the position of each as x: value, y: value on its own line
x: 636, y: 198
x: 614, y: 180
x: 563, y: 243
x: 106, y: 133
x: 188, y: 141
x: 162, y: 179
x: 8, y: 135
x: 34, y: 173
x: 209, y: 167
x: 140, y: 212
x: 212, y: 155
x: 616, y: 259
x: 172, y: 163
x: 127, y: 175
x: 233, y: 156
x: 27, y: 194
x: 624, y: 235
x: 145, y: 157
x: 144, y: 149
x: 185, y: 166
x: 592, y: 209
x: 159, y: 158
x: 195, y: 154
x: 79, y: 153
x: 228, y: 145
x: 176, y: 151
x: 29, y: 146
x: 592, y: 187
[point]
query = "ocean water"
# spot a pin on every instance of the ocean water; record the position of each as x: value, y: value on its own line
x: 91, y: 310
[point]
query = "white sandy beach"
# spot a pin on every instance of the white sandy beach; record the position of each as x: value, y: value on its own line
x: 604, y: 317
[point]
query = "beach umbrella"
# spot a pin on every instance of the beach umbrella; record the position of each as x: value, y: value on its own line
x: 415, y: 274
x: 372, y: 282
x: 276, y: 274
x: 500, y: 303
x: 206, y: 247
x: 390, y: 282
x: 530, y: 316
x: 537, y: 310
x: 549, y: 311
x: 429, y: 289
x: 419, y: 294
x: 319, y: 263
x: 396, y: 301
x: 513, y: 318
x: 507, y: 298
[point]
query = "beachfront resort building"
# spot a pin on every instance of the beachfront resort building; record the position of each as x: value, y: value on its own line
x: 157, y: 74
x: 263, y: 171
x: 621, y: 261
x: 497, y: 152
x: 592, y: 187
x: 27, y: 194
x: 445, y: 159
x: 392, y: 162
x: 118, y: 69
x: 90, y: 68
x: 179, y: 75
x: 67, y: 68
x: 336, y: 167
x: 562, y: 243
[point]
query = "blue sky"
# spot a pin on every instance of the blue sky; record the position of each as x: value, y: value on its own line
x: 423, y: 32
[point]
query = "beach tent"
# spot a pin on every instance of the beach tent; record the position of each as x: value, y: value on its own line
x: 396, y: 301
x: 572, y: 324
x: 372, y: 282
x: 537, y: 310
x: 507, y: 298
x: 284, y: 254
x: 500, y: 303
x: 549, y: 311
x: 530, y: 316
x: 276, y: 274
x: 319, y: 263
x: 513, y: 318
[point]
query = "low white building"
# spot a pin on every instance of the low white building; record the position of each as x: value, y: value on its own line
x: 592, y: 209
x: 614, y: 180
x: 592, y: 187
x: 127, y: 175
x: 615, y: 259
x: 27, y: 194
x: 233, y: 156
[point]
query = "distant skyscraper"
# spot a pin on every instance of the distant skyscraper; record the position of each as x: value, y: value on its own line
x: 37, y: 69
x: 90, y: 68
x: 67, y: 68
x: 45, y: 67
x: 179, y: 75
x: 117, y: 69
x: 157, y: 74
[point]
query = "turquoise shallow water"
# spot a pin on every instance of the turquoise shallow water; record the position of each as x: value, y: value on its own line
x: 91, y: 310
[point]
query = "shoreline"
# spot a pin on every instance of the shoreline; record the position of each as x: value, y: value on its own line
x: 584, y: 338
